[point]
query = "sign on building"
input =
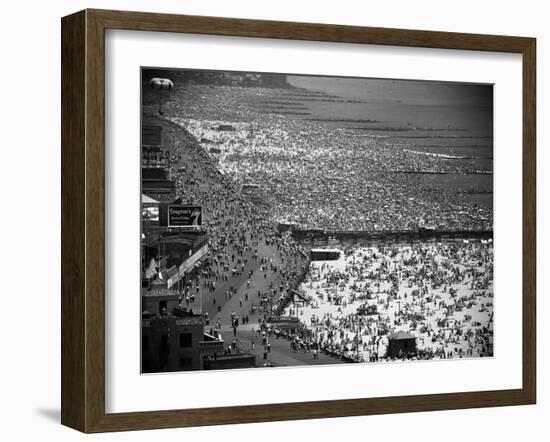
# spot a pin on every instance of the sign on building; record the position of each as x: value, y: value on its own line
x: 184, y: 216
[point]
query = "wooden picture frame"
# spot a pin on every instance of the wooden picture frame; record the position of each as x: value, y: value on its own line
x: 83, y: 219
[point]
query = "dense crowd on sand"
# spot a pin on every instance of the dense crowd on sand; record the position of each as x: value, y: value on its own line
x: 440, y: 293
x: 330, y: 179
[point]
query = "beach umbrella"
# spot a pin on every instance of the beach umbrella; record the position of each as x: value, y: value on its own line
x: 161, y: 84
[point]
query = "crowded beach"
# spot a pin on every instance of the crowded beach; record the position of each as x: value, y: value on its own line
x: 252, y: 171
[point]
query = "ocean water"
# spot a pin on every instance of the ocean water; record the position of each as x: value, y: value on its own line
x: 406, y: 103
x: 452, y: 121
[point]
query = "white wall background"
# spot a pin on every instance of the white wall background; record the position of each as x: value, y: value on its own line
x: 30, y: 222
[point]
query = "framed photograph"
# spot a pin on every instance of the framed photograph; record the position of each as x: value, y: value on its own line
x: 267, y: 221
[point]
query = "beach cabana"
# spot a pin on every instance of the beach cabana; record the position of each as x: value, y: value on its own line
x: 401, y: 344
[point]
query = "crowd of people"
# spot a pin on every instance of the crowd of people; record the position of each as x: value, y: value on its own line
x: 440, y: 293
x: 241, y: 237
x: 251, y: 171
x: 321, y: 178
x: 324, y: 177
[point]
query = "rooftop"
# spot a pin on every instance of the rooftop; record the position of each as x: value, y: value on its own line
x: 401, y: 335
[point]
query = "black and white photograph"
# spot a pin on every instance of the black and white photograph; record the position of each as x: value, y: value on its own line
x: 275, y: 221
x: 294, y: 220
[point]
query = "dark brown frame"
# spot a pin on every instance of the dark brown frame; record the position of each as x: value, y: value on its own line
x: 83, y: 217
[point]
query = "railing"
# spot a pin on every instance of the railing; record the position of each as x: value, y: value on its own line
x: 316, y: 234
